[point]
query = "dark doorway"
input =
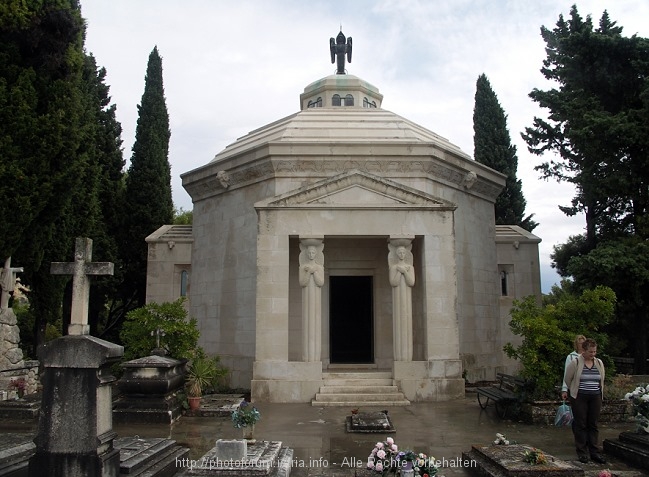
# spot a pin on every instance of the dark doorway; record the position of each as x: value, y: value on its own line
x: 351, y: 319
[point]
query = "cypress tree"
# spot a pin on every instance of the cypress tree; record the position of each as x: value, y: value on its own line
x: 44, y: 134
x: 148, y: 183
x: 493, y: 148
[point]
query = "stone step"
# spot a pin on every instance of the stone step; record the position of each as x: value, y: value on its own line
x: 366, y: 398
x: 15, y: 451
x: 350, y: 402
x: 21, y: 409
x: 359, y: 382
x: 327, y: 375
x: 140, y: 455
x: 168, y: 465
x: 358, y: 389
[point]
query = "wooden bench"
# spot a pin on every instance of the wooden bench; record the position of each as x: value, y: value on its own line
x: 503, y: 394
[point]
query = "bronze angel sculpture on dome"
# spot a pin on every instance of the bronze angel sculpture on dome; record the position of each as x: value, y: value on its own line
x: 341, y: 46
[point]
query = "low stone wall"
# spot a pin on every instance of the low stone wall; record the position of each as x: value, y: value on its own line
x: 544, y: 412
x: 28, y: 371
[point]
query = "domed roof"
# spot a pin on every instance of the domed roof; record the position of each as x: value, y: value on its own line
x: 358, y: 119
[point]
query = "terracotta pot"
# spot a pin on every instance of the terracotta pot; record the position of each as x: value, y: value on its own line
x: 194, y: 402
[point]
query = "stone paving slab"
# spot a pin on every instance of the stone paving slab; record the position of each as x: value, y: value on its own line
x: 217, y: 405
x: 369, y: 422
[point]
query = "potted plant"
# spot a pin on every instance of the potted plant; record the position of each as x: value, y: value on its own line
x: 203, y: 373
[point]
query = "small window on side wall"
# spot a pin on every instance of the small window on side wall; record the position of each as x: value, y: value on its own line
x: 335, y: 100
x: 503, y: 283
x: 349, y: 100
x: 184, y: 282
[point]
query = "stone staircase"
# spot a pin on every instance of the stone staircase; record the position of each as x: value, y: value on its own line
x: 358, y: 387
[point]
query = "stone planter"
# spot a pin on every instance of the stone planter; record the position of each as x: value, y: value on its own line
x: 248, y: 433
x: 544, y: 412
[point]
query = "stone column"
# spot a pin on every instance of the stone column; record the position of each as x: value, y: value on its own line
x: 402, y: 279
x: 311, y: 278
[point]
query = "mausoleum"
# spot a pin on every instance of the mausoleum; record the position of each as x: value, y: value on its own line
x: 347, y: 239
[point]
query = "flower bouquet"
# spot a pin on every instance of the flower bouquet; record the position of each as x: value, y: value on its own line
x: 535, y: 457
x: 19, y: 385
x: 245, y: 415
x: 639, y: 397
x: 386, y: 458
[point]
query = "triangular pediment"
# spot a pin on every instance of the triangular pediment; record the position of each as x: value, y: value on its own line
x: 355, y: 189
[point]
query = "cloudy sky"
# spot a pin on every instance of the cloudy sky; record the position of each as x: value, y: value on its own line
x: 232, y: 66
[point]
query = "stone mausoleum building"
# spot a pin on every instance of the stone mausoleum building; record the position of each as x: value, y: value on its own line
x: 346, y: 242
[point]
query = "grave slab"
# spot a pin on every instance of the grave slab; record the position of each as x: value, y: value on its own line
x: 369, y: 422
x: 632, y: 447
x: 508, y: 461
x: 263, y: 459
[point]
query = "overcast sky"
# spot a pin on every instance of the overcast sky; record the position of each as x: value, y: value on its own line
x: 233, y: 66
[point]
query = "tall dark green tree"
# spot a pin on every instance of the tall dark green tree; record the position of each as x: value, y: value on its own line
x: 493, y: 147
x: 105, y: 311
x: 148, y: 183
x: 597, y: 128
x: 43, y: 133
x: 596, y: 123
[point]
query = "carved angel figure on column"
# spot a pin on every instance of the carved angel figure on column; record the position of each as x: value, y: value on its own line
x: 402, y: 279
x: 311, y: 278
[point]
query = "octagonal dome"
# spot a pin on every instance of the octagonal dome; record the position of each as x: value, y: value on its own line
x: 340, y: 109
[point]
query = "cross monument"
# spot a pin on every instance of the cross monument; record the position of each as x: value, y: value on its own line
x: 80, y: 269
x: 7, y: 282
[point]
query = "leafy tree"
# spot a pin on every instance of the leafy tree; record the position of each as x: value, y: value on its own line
x: 548, y: 332
x: 597, y: 126
x: 181, y: 333
x: 622, y: 265
x: 596, y: 123
x: 148, y: 183
x: 183, y: 217
x: 493, y: 147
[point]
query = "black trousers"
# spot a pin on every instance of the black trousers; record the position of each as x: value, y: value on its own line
x: 585, y: 413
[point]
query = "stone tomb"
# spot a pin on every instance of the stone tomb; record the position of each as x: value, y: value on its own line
x: 151, y: 457
x: 369, y: 422
x: 240, y: 458
x: 632, y: 447
x: 507, y: 461
x: 149, y: 388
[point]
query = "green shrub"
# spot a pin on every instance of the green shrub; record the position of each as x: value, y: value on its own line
x: 548, y: 333
x: 180, y: 333
x: 204, y: 374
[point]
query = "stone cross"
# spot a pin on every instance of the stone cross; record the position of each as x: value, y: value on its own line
x: 158, y: 332
x: 7, y: 283
x: 80, y: 269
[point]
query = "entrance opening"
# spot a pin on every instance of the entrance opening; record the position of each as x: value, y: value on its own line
x: 351, y: 319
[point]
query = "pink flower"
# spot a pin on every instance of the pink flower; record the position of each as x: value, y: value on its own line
x: 389, y: 440
x: 378, y: 467
x: 381, y: 454
x: 379, y: 445
x: 394, y: 448
x: 604, y: 473
x: 370, y: 464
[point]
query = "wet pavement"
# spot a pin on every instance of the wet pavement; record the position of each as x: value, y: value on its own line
x: 322, y: 447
